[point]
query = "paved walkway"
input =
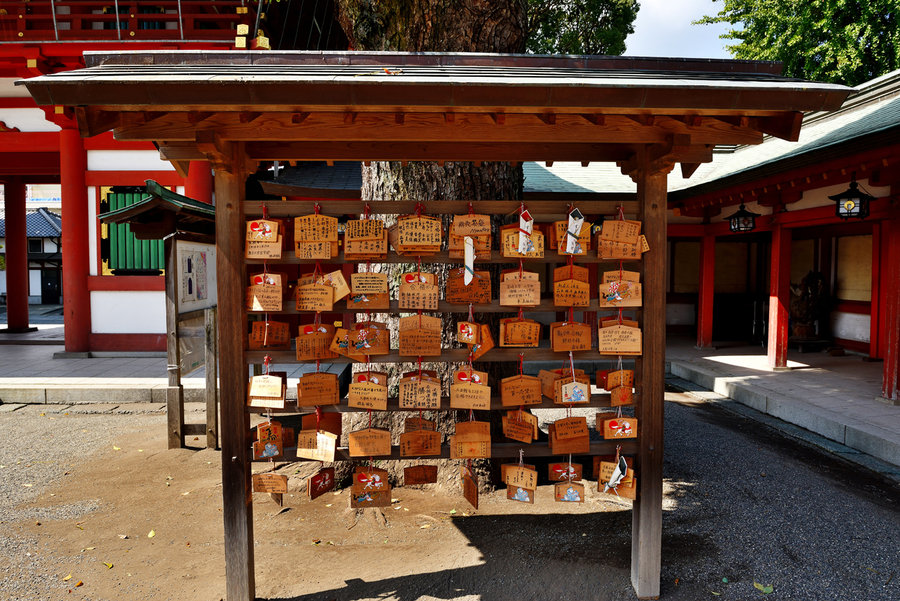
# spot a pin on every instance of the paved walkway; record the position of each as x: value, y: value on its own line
x: 834, y: 397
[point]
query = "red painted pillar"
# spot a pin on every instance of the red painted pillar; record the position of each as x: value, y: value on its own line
x: 76, y: 298
x: 890, y: 271
x: 875, y: 304
x: 199, y: 182
x: 16, y: 257
x: 706, y: 292
x: 779, y: 296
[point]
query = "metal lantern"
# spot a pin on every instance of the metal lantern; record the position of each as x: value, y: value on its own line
x: 743, y: 220
x: 852, y: 202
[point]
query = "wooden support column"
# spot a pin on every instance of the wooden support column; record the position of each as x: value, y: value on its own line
x: 876, y: 300
x: 174, y: 389
x: 199, y: 182
x: 17, y: 280
x: 75, y: 243
x: 779, y: 296
x: 706, y: 292
x: 890, y: 389
x: 646, y: 529
x: 212, y: 380
x: 235, y: 425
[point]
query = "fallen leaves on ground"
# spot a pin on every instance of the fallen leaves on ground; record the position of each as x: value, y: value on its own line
x: 765, y: 589
x: 108, y: 565
x: 151, y: 534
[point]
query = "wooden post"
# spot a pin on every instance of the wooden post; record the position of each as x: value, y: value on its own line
x: 174, y: 390
x: 17, y: 279
x: 236, y: 492
x: 706, y: 293
x: 890, y: 385
x: 212, y: 380
x: 779, y: 297
x: 646, y: 529
x: 75, y: 241
x: 876, y: 299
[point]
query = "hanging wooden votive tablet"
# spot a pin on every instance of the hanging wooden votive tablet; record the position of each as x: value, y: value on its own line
x: 365, y: 240
x: 320, y: 483
x: 418, y: 290
x: 484, y: 344
x: 314, y: 341
x: 316, y: 389
x: 558, y: 472
x: 621, y: 239
x: 472, y: 440
x: 269, y: 336
x: 572, y: 391
x: 520, y: 288
x: 477, y: 227
x: 416, y: 235
x: 620, y: 289
x: 619, y: 339
x: 420, y: 391
x: 419, y: 336
x: 571, y: 286
x: 468, y: 481
x: 370, y: 488
x: 520, y: 425
x: 558, y: 239
x: 477, y: 292
x: 313, y: 295
x: 317, y: 445
x: 549, y: 377
x: 267, y: 390
x: 420, y: 474
x: 420, y: 439
x: 469, y: 390
x: 617, y: 428
x: 569, y: 436
x: 568, y: 336
x: 614, y: 479
x: 263, y: 239
x: 368, y: 291
x: 316, y: 237
x: 509, y: 243
x: 568, y: 492
x: 369, y: 442
x: 368, y: 391
x: 519, y: 332
x: 620, y: 384
x: 275, y: 484
x: 521, y: 482
x: 266, y: 292
x: 520, y: 390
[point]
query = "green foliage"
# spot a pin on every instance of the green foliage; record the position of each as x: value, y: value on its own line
x: 580, y: 26
x: 840, y: 41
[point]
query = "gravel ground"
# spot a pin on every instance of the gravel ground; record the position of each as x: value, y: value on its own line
x: 38, y: 449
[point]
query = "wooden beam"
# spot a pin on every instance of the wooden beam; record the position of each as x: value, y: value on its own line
x: 237, y: 499
x: 297, y: 118
x: 594, y: 118
x: 195, y: 117
x: 786, y: 127
x: 646, y: 533
x: 248, y: 116
x: 93, y: 122
x: 688, y: 169
x: 548, y: 118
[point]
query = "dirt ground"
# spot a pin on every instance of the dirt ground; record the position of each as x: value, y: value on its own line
x: 428, y: 545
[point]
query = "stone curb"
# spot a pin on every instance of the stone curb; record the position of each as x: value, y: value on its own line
x: 860, y: 436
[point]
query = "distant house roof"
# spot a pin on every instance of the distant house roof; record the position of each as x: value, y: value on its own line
x: 38, y: 224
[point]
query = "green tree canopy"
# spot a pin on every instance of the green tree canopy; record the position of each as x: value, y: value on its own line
x: 839, y: 41
x: 580, y: 26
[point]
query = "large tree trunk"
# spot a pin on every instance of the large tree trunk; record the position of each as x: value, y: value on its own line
x: 436, y: 26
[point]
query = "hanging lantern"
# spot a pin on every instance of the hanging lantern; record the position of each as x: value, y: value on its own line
x: 852, y: 202
x: 743, y: 220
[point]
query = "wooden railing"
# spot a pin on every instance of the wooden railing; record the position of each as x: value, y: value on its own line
x: 113, y: 20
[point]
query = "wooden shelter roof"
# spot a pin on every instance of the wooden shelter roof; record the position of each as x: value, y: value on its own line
x: 431, y: 106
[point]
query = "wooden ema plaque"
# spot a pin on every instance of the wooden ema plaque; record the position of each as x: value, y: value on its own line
x: 472, y: 440
x: 366, y: 250
x: 621, y: 251
x: 620, y: 294
x: 268, y: 431
x: 270, y: 483
x: 524, y: 416
x: 519, y: 332
x: 418, y: 291
x: 267, y: 391
x: 315, y: 236
x: 568, y: 492
x: 617, y: 427
x: 621, y: 395
x: 627, y: 488
x: 520, y: 475
x: 468, y: 481
x: 621, y: 230
x: 471, y: 225
x: 621, y: 377
x: 420, y: 443
x: 367, y: 395
x: 419, y: 336
x: 517, y: 429
x: 567, y: 446
x: 265, y: 292
x: 370, y: 479
x: 478, y: 292
x: 269, y: 449
x: 480, y: 244
x: 317, y: 446
x: 469, y: 395
x: 328, y: 421
x: 419, y: 393
x: 619, y: 340
x: 520, y: 390
x: 320, y: 483
x: 548, y: 379
x: 335, y: 280
x: 467, y: 332
x: 313, y: 342
x: 369, y: 442
x: 269, y: 336
x: 571, y: 287
x: 380, y: 498
x: 420, y: 474
x: 468, y: 375
x: 315, y: 297
x: 569, y: 392
x: 418, y: 235
x: 509, y: 243
x: 620, y: 274
x: 522, y: 495
x: 614, y: 321
x: 317, y: 389
x: 368, y: 339
x: 558, y: 238
x: 564, y: 471
x: 368, y: 291
x: 520, y: 289
x: 414, y: 424
x: 363, y: 229
x: 568, y: 336
x: 263, y: 239
x: 485, y: 343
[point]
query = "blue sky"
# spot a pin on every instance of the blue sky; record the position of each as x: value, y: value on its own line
x: 663, y: 28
